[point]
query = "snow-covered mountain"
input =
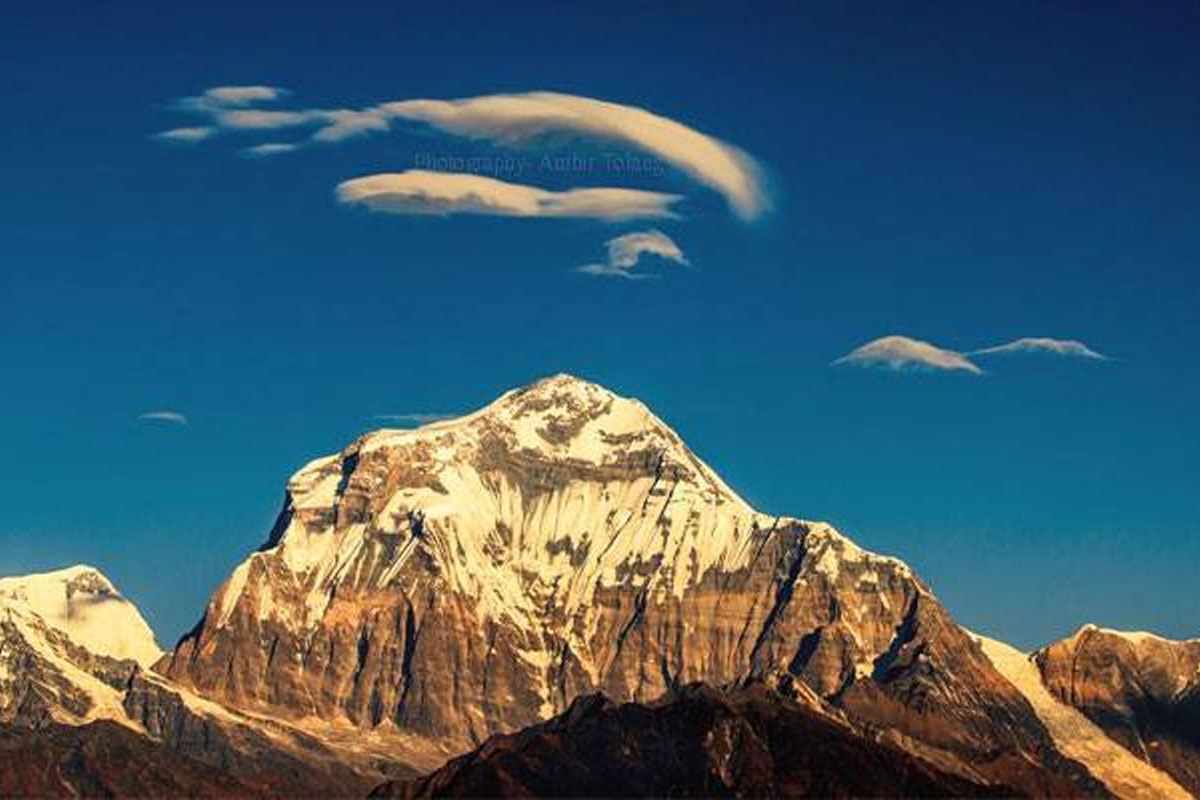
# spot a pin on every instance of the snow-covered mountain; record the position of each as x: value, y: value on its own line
x: 68, y: 644
x: 426, y: 589
x: 82, y: 603
x: 430, y: 587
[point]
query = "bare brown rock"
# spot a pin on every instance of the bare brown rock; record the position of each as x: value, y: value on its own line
x: 1142, y: 690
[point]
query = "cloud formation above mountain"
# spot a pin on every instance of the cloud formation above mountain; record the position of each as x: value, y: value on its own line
x: 625, y: 253
x: 512, y: 120
x: 419, y: 192
x: 901, y: 353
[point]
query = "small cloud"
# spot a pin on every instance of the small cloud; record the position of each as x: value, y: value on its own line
x: 624, y: 253
x: 185, y: 135
x: 223, y: 97
x: 258, y: 119
x: 421, y: 192
x: 269, y: 149
x: 174, y: 417
x: 244, y: 95
x: 414, y: 418
x: 900, y: 354
x: 1059, y: 347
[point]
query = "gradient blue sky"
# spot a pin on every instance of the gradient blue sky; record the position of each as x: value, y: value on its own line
x: 963, y: 173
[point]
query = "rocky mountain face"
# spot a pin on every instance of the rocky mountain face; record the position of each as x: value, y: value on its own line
x: 1077, y: 737
x: 431, y: 587
x: 1142, y: 690
x: 698, y: 742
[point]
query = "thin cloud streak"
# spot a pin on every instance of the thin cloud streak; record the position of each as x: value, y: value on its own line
x: 420, y: 192
x: 625, y: 253
x: 185, y: 135
x: 174, y: 417
x: 1070, y: 348
x: 268, y: 149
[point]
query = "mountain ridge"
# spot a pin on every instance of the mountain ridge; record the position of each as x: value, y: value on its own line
x: 426, y: 590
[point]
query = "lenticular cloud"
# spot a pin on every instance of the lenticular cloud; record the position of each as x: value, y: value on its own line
x: 515, y: 120
x: 900, y: 353
x: 418, y: 192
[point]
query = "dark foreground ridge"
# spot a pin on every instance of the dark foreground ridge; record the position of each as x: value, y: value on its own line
x: 699, y: 742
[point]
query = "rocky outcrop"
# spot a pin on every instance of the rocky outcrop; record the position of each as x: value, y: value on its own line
x: 288, y: 761
x: 429, y: 588
x: 1141, y: 689
x: 1079, y: 738
x: 105, y: 759
x: 698, y: 742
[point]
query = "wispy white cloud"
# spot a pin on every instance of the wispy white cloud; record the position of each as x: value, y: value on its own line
x: 223, y: 97
x: 175, y: 417
x: 445, y: 193
x: 264, y: 119
x: 1059, y: 347
x: 268, y: 149
x: 512, y: 120
x: 215, y: 103
x: 186, y: 135
x: 625, y: 252
x: 415, y: 418
x: 901, y: 353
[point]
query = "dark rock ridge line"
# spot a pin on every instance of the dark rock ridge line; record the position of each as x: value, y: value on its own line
x: 697, y: 742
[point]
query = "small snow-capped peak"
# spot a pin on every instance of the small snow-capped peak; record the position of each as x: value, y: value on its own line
x: 1133, y: 637
x: 83, y: 603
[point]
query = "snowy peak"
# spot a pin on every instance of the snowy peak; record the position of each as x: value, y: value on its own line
x: 82, y: 603
x: 560, y: 418
x: 567, y: 417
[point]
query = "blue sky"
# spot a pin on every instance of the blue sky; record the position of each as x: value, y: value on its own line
x: 965, y: 174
